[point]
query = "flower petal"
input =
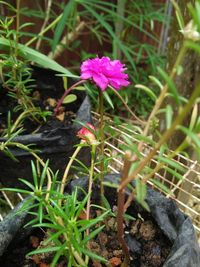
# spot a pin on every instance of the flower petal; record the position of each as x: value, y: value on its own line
x: 101, y: 81
x: 104, y: 71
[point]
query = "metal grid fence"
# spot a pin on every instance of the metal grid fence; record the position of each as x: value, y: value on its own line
x: 185, y: 191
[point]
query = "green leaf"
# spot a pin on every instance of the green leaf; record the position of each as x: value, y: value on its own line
x: 156, y: 81
x: 110, y: 184
x: 50, y: 226
x: 65, y: 82
x: 192, y: 45
x: 147, y: 90
x: 194, y: 117
x: 58, y: 254
x: 179, y: 15
x: 169, y: 116
x: 145, y: 205
x: 40, y: 212
x: 16, y: 190
x: 80, y: 88
x: 92, y: 234
x: 88, y: 224
x: 53, y: 237
x: 195, y: 12
x: 174, y: 173
x: 34, y: 173
x: 171, y: 162
x: 81, y: 206
x: 61, y: 24
x: 69, y: 99
x: 37, y: 57
x: 162, y: 186
x: 44, y: 250
x: 9, y: 154
x: 191, y: 135
x: 9, y: 5
x: 141, y: 190
x: 171, y: 85
x: 44, y: 172
x: 93, y: 255
x: 108, y: 99
x: 27, y: 183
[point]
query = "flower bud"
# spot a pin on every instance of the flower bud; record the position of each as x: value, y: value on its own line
x: 87, y: 135
x: 190, y: 32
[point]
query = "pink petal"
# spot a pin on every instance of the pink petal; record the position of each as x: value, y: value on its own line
x: 86, y: 75
x: 101, y: 81
x: 105, y: 71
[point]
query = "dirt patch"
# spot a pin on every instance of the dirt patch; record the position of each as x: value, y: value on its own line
x: 147, y: 245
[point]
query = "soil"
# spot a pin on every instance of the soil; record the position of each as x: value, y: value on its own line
x: 148, y: 246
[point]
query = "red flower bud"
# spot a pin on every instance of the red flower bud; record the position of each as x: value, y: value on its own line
x: 86, y: 135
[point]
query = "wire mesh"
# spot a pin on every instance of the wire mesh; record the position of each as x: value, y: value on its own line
x: 185, y: 191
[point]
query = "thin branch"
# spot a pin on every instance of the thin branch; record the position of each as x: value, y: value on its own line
x: 179, y: 119
x: 56, y: 111
x: 69, y: 38
x: 48, y: 9
x: 127, y: 107
x: 120, y: 210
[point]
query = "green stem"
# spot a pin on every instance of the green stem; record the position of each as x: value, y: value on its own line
x: 127, y: 107
x: 179, y: 119
x: 17, y: 26
x: 65, y: 175
x: 93, y: 151
x: 19, y: 119
x: 65, y: 94
x: 90, y: 181
x: 46, y: 20
x: 158, y: 104
x: 44, y: 30
x: 119, y: 24
x: 165, y: 88
x: 76, y: 255
x: 102, y: 141
x: 21, y: 146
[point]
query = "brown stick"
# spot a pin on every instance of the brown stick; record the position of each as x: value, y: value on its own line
x: 120, y: 210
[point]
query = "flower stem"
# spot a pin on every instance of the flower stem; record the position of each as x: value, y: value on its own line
x: 141, y: 122
x: 65, y: 94
x: 65, y: 175
x: 102, y: 141
x: 93, y: 151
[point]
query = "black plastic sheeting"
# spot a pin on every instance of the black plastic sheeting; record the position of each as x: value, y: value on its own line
x: 176, y: 225
x: 56, y: 142
x: 10, y: 226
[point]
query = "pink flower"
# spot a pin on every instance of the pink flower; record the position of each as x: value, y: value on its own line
x: 86, y: 135
x: 104, y: 71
